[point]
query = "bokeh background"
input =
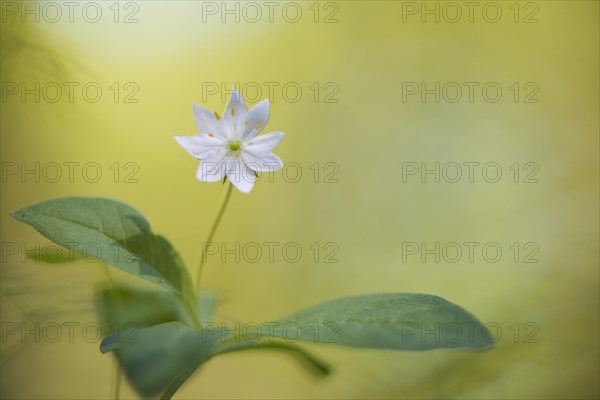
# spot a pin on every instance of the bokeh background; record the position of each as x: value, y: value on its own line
x: 360, y: 55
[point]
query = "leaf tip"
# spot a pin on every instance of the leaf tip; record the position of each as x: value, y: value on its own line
x: 17, y: 214
x: 109, y: 343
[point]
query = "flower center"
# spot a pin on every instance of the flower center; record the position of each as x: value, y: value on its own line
x: 235, y: 145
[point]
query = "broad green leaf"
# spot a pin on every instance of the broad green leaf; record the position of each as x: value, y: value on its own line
x: 123, y: 305
x: 112, y: 232
x: 216, y: 348
x: 158, y: 357
x: 396, y: 321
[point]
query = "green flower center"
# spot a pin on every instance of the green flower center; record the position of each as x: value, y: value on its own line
x: 234, y: 145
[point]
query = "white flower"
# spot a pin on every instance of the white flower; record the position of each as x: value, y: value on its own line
x: 228, y: 146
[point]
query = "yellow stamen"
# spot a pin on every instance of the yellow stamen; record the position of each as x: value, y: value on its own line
x: 232, y: 111
x: 257, y: 126
x: 234, y: 145
x: 217, y: 116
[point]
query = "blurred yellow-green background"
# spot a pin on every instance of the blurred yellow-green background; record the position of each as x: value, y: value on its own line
x: 354, y: 122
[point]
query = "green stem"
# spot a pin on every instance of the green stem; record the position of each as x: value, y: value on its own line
x: 316, y: 366
x: 117, y: 381
x: 212, y: 234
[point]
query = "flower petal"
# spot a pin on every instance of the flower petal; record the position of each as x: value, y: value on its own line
x: 262, y: 162
x: 256, y: 119
x: 201, y: 145
x: 206, y: 121
x: 234, y: 114
x: 240, y: 175
x: 266, y: 142
x: 212, y: 169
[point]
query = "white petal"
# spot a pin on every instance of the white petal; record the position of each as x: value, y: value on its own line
x: 262, y: 162
x: 212, y: 169
x: 256, y: 119
x: 199, y: 146
x: 235, y: 113
x: 206, y: 121
x: 267, y: 141
x: 240, y: 175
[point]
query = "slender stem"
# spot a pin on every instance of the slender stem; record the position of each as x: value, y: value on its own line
x: 117, y: 380
x: 212, y: 234
x: 319, y: 367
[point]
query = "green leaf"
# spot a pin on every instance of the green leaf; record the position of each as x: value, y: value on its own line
x: 157, y: 352
x: 122, y: 305
x: 396, y: 321
x: 159, y: 358
x: 112, y: 232
x: 313, y: 364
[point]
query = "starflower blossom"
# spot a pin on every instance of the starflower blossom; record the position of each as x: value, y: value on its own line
x: 228, y: 146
